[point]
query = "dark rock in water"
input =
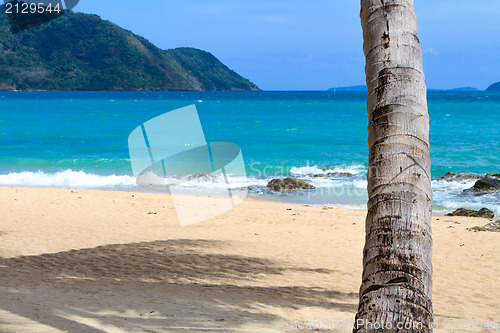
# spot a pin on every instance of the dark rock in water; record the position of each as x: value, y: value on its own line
x: 493, y: 175
x: 483, y: 212
x: 206, y: 177
x: 330, y: 174
x: 244, y: 188
x: 250, y: 188
x: 289, y: 184
x: 491, y: 227
x: 460, y: 176
x: 487, y: 184
x: 333, y: 174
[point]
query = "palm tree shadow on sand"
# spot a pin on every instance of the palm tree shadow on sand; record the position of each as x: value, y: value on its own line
x: 154, y: 286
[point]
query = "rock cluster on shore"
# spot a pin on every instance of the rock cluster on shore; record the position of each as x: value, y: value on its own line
x: 484, y: 185
x: 491, y: 227
x: 289, y: 184
x: 487, y: 183
x: 460, y: 176
x: 483, y: 212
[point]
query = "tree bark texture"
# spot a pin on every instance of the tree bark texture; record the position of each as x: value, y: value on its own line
x: 396, y: 289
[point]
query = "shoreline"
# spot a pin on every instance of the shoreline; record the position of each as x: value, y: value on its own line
x: 270, y: 198
x: 89, y: 260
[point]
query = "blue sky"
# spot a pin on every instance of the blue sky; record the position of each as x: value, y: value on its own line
x: 313, y: 44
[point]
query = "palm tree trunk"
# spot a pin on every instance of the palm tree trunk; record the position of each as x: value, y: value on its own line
x: 396, y: 291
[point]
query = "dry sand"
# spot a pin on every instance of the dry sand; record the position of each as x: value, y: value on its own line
x: 102, y: 261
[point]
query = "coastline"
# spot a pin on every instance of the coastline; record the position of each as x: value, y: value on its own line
x: 90, y: 260
x: 340, y: 189
x: 281, y: 134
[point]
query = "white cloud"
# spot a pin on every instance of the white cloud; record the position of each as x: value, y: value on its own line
x: 431, y: 51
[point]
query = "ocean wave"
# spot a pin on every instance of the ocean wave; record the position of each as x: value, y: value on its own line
x: 452, y: 185
x: 66, y: 178
x: 451, y: 194
x: 353, y: 169
x: 235, y: 181
x: 307, y: 170
x: 218, y: 182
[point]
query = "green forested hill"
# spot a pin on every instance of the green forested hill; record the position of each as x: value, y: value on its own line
x: 83, y: 52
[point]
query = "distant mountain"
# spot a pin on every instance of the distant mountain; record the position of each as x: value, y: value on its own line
x: 494, y: 87
x: 464, y: 89
x: 351, y: 88
x: 83, y: 52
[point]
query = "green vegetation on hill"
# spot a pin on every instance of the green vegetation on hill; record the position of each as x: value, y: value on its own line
x: 83, y: 52
x: 494, y: 87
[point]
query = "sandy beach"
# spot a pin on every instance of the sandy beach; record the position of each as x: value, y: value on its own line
x: 103, y: 261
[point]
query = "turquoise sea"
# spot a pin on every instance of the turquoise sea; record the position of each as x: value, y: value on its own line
x: 79, y: 139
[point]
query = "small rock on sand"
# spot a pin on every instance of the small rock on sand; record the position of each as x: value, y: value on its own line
x: 491, y: 227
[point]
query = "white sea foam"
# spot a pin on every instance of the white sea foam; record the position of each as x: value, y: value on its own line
x: 81, y: 179
x: 453, y: 185
x: 67, y: 178
x: 217, y: 182
x: 306, y: 170
x: 324, y: 182
x: 450, y: 195
x: 354, y: 169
